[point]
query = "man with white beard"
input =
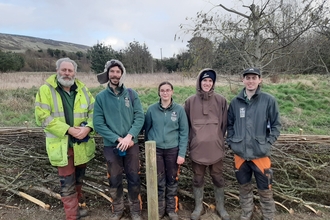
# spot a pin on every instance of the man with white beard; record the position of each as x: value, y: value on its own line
x: 64, y: 108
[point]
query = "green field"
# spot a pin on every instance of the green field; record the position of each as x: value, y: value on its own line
x: 302, y: 105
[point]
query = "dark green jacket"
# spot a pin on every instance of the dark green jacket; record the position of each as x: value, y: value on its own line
x: 168, y: 127
x: 115, y: 116
x: 247, y: 132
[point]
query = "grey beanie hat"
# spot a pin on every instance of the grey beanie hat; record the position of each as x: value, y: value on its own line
x: 104, y: 76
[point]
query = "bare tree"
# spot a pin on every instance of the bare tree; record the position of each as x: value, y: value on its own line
x: 261, y: 34
x: 322, y: 44
x: 201, y: 51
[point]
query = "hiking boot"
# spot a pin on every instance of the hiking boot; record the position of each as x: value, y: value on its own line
x: 83, y: 212
x: 173, y: 216
x: 136, y: 216
x: 115, y: 216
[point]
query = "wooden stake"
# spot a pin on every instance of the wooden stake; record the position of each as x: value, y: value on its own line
x: 151, y: 174
x: 34, y: 200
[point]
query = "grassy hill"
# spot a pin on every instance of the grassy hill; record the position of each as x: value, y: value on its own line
x: 19, y: 44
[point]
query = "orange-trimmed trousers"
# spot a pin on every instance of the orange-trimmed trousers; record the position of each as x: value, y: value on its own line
x: 260, y: 167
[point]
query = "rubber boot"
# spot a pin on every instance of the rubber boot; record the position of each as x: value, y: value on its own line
x: 198, y: 195
x: 246, y: 201
x: 71, y: 207
x: 220, y: 203
x: 267, y: 204
x: 83, y: 212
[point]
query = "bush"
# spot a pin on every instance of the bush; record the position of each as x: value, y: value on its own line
x: 10, y: 61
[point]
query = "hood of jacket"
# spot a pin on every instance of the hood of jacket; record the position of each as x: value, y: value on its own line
x: 205, y: 96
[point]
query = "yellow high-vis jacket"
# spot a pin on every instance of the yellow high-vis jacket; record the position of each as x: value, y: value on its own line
x: 49, y: 113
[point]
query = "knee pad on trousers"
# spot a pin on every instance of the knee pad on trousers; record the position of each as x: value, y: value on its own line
x: 68, y: 185
x: 133, y: 179
x: 116, y: 181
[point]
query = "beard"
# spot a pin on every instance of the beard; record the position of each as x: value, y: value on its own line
x: 64, y: 82
x: 115, y: 78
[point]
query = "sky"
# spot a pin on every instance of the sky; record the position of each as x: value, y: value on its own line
x: 115, y: 23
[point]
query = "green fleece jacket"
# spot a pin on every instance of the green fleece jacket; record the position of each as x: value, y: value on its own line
x: 168, y: 127
x: 115, y: 116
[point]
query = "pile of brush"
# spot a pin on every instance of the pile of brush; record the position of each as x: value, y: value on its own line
x: 300, y: 164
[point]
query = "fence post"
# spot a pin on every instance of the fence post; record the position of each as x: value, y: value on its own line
x: 151, y: 174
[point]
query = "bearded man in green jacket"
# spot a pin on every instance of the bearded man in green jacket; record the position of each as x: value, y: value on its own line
x: 118, y: 118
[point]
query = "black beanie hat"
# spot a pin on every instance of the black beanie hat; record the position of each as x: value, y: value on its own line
x: 207, y: 74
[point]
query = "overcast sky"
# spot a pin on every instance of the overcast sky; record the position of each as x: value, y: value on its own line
x: 87, y: 22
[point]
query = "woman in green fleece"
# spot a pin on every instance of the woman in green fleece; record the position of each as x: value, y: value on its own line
x: 166, y: 123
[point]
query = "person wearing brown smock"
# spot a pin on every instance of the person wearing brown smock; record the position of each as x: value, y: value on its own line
x: 207, y: 117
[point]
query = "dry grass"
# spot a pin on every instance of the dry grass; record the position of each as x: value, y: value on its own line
x: 30, y: 79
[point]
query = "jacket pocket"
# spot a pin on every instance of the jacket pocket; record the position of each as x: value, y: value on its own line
x: 206, y: 132
x: 84, y: 152
x: 57, y: 151
x: 237, y: 146
x: 262, y: 146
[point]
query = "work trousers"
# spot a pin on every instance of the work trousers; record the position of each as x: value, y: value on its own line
x: 116, y: 166
x: 260, y: 167
x: 216, y: 173
x: 70, y: 175
x: 167, y: 177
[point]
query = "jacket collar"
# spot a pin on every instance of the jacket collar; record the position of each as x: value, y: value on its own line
x: 168, y: 108
x: 52, y: 80
x: 242, y: 94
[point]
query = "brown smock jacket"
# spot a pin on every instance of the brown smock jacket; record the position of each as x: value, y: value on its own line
x: 207, y: 116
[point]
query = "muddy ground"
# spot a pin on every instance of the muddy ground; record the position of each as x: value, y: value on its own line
x: 17, y: 208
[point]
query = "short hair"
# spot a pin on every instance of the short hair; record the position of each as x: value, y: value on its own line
x: 66, y: 59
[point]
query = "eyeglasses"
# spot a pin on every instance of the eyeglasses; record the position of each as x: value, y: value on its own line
x: 163, y: 91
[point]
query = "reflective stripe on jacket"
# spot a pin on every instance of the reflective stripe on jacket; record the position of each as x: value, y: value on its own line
x: 49, y: 113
